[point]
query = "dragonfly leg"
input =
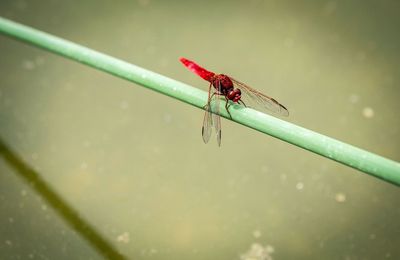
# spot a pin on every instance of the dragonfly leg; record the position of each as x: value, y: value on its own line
x: 207, y: 106
x: 227, y: 105
x: 242, y: 102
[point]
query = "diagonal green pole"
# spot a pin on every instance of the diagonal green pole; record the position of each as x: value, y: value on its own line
x: 346, y: 154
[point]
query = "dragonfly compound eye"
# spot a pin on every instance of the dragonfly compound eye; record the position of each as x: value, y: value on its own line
x: 235, y: 95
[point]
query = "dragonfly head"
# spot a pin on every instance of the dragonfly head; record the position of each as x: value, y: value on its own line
x: 235, y: 95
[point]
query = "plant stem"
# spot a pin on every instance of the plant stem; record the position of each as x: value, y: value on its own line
x: 346, y: 154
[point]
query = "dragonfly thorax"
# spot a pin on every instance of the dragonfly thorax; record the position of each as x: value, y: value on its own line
x: 222, y: 83
x: 225, y: 86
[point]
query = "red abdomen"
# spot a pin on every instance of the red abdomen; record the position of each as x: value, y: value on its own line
x: 202, y: 72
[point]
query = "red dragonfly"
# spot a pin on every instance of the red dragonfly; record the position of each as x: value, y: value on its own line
x: 232, y: 90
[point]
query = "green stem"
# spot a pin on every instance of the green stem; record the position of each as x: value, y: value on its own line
x: 346, y: 154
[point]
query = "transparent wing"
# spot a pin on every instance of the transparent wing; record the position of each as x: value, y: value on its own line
x: 216, y: 118
x: 259, y: 99
x: 207, y: 123
x: 211, y: 117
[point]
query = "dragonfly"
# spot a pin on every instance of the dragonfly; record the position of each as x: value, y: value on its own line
x: 232, y: 90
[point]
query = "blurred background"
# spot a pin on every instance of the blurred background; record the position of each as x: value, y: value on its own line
x: 93, y: 166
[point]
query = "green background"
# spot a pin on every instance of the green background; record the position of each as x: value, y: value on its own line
x: 132, y: 163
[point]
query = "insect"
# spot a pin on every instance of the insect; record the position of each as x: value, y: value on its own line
x: 222, y: 85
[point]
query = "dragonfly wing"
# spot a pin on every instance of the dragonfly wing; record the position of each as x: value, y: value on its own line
x: 211, y: 116
x: 207, y: 123
x: 215, y: 116
x: 260, y: 100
